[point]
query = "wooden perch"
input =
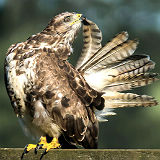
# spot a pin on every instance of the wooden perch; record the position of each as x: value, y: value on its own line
x: 83, y: 154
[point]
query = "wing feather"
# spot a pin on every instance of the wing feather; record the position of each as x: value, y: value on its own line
x: 92, y: 38
x: 118, y: 100
x: 131, y: 73
x: 117, y: 40
x: 139, y: 81
x: 115, y: 55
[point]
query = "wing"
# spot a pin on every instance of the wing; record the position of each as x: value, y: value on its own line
x: 114, y: 68
x: 66, y: 97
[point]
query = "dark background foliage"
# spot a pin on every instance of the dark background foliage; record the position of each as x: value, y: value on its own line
x: 133, y: 127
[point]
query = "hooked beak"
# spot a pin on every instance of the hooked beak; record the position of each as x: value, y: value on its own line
x: 80, y: 17
x: 77, y: 18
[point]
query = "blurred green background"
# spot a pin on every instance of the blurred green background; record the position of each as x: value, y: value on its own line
x: 133, y: 127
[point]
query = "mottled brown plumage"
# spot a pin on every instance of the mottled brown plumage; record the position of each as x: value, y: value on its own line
x: 48, y: 95
x: 53, y: 99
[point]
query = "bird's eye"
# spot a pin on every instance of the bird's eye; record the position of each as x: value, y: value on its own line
x: 67, y: 18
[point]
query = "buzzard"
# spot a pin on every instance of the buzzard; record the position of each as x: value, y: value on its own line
x: 61, y: 104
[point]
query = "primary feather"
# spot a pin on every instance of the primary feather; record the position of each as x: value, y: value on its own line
x: 117, y: 40
x: 92, y: 38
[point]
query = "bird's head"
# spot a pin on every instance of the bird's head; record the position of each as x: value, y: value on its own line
x: 66, y: 24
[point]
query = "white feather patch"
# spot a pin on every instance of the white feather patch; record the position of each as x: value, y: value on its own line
x: 99, y: 79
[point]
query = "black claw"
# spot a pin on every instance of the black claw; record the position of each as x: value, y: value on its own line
x: 45, y: 152
x: 24, y: 152
x: 37, y: 148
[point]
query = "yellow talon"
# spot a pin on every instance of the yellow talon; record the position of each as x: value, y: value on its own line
x: 53, y: 144
x: 31, y: 146
x: 42, y: 144
x: 43, y: 140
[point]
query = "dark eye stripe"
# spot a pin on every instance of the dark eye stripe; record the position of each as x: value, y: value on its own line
x: 67, y: 18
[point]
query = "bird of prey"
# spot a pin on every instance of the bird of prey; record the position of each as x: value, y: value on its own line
x: 61, y: 104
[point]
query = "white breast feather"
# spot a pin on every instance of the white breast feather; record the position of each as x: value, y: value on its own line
x: 18, y: 82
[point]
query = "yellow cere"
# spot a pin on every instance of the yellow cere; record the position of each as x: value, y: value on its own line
x: 77, y: 17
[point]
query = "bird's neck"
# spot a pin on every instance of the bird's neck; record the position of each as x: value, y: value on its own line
x: 55, y: 43
x: 66, y: 38
x: 62, y: 43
